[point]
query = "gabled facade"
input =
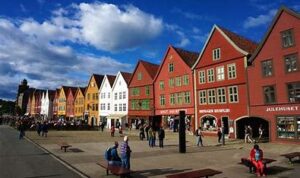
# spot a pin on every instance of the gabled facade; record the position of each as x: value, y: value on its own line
x: 55, y: 104
x: 70, y: 103
x: 79, y: 103
x: 274, y: 78
x: 120, y: 100
x: 141, y: 93
x: 47, y: 104
x: 62, y: 101
x: 91, y: 100
x: 32, y: 103
x: 221, y: 81
x: 106, y: 98
x: 29, y: 103
x: 173, y: 87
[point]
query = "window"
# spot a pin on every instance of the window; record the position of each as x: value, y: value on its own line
x: 97, y: 107
x: 220, y: 73
x: 171, y: 67
x: 103, y: 106
x: 291, y: 64
x: 120, y: 107
x: 208, y: 123
x: 210, y: 75
x: 172, y: 98
x: 124, y: 106
x: 201, y: 76
x: 116, y: 96
x: 233, y: 94
x: 103, y: 95
x: 124, y: 94
x: 162, y: 100
x: 145, y: 104
x: 161, y: 85
x: 216, y: 54
x: 179, y: 98
x: 108, y: 95
x: 211, y: 96
x: 288, y: 127
x: 185, y: 79
x: 267, y: 68
x: 221, y: 95
x: 269, y: 94
x: 187, y: 98
x: 116, y: 107
x: 97, y: 96
x: 108, y: 106
x: 120, y: 95
x: 231, y: 71
x: 294, y: 92
x: 147, y: 90
x: 178, y: 81
x: 139, y: 76
x: 135, y: 91
x: 88, y: 96
x: 287, y: 38
x: 202, y: 97
x: 171, y: 82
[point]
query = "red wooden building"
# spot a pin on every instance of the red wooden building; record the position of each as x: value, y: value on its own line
x: 70, y: 103
x: 221, y: 82
x: 274, y: 78
x: 141, y: 93
x: 173, y: 87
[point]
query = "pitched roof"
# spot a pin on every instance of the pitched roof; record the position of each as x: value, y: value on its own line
x: 126, y: 76
x: 151, y: 68
x: 51, y: 94
x: 111, y: 79
x: 187, y: 56
x: 267, y: 34
x: 242, y: 42
x: 98, y: 79
x: 73, y: 90
x: 82, y: 89
x: 66, y: 88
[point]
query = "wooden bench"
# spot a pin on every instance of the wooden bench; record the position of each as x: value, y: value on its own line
x: 292, y: 155
x: 116, y: 170
x: 249, y: 164
x: 195, y: 174
x: 64, y: 145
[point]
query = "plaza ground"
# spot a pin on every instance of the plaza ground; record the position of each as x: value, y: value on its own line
x: 88, y: 148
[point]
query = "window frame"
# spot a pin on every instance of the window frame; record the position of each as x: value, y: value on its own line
x: 233, y: 94
x: 216, y: 53
x: 292, y: 38
x: 297, y: 62
x: 232, y: 71
x: 220, y: 74
x: 275, y: 99
x: 202, y: 79
x: 201, y: 97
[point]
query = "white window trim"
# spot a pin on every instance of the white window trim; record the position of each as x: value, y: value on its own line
x: 217, y: 74
x: 237, y: 92
x: 228, y: 66
x: 213, y: 54
x: 224, y: 88
x: 214, y: 96
x: 203, y: 97
x: 204, y: 77
x: 213, y: 74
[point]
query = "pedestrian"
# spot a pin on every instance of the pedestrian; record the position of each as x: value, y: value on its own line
x: 260, y: 132
x: 125, y: 153
x: 102, y: 126
x: 22, y: 130
x: 147, y: 131
x: 219, y: 135
x: 151, y: 137
x: 246, y: 134
x: 250, y: 134
x: 112, y: 156
x: 45, y: 129
x: 161, y: 136
x: 256, y: 157
x: 142, y: 133
x: 199, y: 136
x: 112, y: 131
x: 38, y: 128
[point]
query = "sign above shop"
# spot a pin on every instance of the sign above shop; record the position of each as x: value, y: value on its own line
x: 214, y: 110
x: 283, y: 108
x: 171, y: 111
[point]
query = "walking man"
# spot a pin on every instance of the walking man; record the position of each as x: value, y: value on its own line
x: 199, y: 136
x: 125, y: 153
x: 161, y: 136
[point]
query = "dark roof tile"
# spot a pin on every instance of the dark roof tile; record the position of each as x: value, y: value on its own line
x: 187, y: 56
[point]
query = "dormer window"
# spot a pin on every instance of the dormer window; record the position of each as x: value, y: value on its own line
x: 139, y: 76
x: 171, y: 67
x: 216, y: 54
x: 287, y: 38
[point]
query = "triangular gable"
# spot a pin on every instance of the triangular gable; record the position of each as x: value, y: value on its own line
x: 98, y: 80
x: 150, y: 68
x: 125, y: 76
x: 270, y: 29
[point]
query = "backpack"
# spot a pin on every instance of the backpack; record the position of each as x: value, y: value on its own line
x: 107, y: 154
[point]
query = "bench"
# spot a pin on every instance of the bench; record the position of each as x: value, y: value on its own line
x: 195, y: 174
x: 249, y: 164
x: 116, y: 170
x: 292, y: 155
x: 64, y: 145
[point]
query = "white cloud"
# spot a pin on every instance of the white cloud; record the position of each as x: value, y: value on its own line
x: 262, y: 19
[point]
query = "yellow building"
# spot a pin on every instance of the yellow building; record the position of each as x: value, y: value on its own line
x: 79, y: 103
x: 91, y: 101
x: 62, y: 103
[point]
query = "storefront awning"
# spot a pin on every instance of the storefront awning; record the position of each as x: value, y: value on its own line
x: 116, y: 116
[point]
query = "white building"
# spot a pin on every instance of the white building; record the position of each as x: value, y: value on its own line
x: 105, y: 98
x: 47, y: 104
x: 119, y: 98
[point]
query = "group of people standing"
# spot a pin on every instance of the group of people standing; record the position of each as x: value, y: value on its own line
x: 249, y: 134
x: 151, y: 135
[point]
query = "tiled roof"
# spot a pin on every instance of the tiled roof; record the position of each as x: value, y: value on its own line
x: 82, y: 89
x: 73, y: 90
x: 242, y: 42
x: 98, y: 79
x: 126, y: 76
x: 150, y: 68
x: 187, y: 56
x: 111, y: 79
x: 51, y: 94
x: 66, y: 88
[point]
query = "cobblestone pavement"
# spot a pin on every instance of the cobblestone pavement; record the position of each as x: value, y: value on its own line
x: 88, y: 148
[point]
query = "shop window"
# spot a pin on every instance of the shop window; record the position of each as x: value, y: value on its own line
x: 209, y: 123
x: 201, y: 76
x: 267, y: 68
x: 202, y: 97
x: 294, y: 92
x: 287, y: 37
x: 291, y: 63
x: 288, y: 127
x: 269, y: 94
x: 231, y: 69
x: 210, y: 75
x: 220, y: 73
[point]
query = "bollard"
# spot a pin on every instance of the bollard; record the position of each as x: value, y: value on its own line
x: 182, y: 144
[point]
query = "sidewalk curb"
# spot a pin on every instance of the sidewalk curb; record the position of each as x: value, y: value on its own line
x: 63, y: 162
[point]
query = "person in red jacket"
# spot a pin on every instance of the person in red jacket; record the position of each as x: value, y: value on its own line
x: 256, y: 157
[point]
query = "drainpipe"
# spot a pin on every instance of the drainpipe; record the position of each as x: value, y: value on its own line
x: 195, y: 99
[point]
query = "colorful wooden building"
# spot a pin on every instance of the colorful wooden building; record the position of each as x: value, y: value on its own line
x: 274, y: 78
x: 70, y: 103
x: 173, y: 88
x: 79, y: 103
x: 62, y: 102
x: 141, y: 93
x: 55, y: 104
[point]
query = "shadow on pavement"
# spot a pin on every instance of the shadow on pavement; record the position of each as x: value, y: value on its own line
x: 52, y: 175
x: 273, y: 170
x: 155, y: 172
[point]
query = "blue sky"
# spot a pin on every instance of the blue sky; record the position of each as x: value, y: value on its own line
x: 61, y: 42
